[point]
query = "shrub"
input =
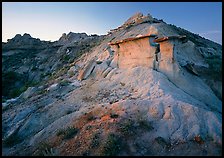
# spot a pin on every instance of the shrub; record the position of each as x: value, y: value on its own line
x: 144, y: 124
x: 42, y: 91
x: 11, y: 84
x: 91, y: 117
x: 68, y: 133
x: 95, y: 140
x: 113, y: 145
x: 127, y: 127
x: 69, y: 112
x: 114, y: 115
x: 11, y: 140
x: 162, y: 141
x: 34, y: 68
x: 66, y: 58
x: 45, y: 149
x: 64, y: 83
x: 16, y: 92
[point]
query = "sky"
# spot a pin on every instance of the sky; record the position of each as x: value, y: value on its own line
x: 49, y: 20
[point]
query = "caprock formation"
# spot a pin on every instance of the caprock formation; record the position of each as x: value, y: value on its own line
x: 146, y: 88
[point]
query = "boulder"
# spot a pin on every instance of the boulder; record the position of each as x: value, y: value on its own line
x: 87, y: 70
x: 100, y: 68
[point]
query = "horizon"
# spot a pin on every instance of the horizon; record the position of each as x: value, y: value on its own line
x: 100, y: 17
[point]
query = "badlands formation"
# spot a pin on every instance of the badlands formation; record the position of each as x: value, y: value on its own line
x: 146, y: 88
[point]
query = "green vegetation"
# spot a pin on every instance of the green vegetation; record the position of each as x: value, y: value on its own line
x: 59, y: 73
x: 215, y: 66
x: 215, y: 62
x: 68, y: 133
x: 95, y: 140
x: 91, y: 117
x: 162, y: 141
x: 113, y: 145
x: 17, y: 92
x: 42, y: 91
x: 127, y: 127
x: 13, y: 84
x: 66, y: 58
x: 130, y: 127
x: 69, y: 112
x: 10, y: 61
x: 144, y: 124
x: 114, y: 115
x: 64, y: 83
x: 11, y: 140
x: 34, y: 68
x: 45, y: 149
x: 9, y: 80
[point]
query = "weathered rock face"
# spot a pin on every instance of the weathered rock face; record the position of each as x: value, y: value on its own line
x: 135, y: 53
x: 138, y: 18
x: 29, y: 61
x: 25, y: 42
x: 71, y: 38
x: 87, y: 70
x: 134, y: 18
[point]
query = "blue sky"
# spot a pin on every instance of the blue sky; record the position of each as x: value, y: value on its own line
x: 48, y: 20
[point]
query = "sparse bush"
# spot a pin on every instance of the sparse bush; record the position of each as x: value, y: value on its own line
x: 64, y: 83
x: 113, y: 145
x: 71, y: 73
x: 68, y: 133
x: 34, y: 68
x: 130, y: 127
x: 214, y: 63
x: 42, y: 91
x: 144, y: 124
x: 88, y: 127
x: 127, y: 127
x: 162, y: 141
x: 91, y: 117
x: 215, y: 67
x: 16, y: 92
x: 45, y: 149
x: 114, y: 115
x: 95, y: 141
x: 60, y: 132
x: 87, y: 99
x: 66, y: 58
x: 69, y: 112
x: 11, y: 140
x: 11, y: 84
